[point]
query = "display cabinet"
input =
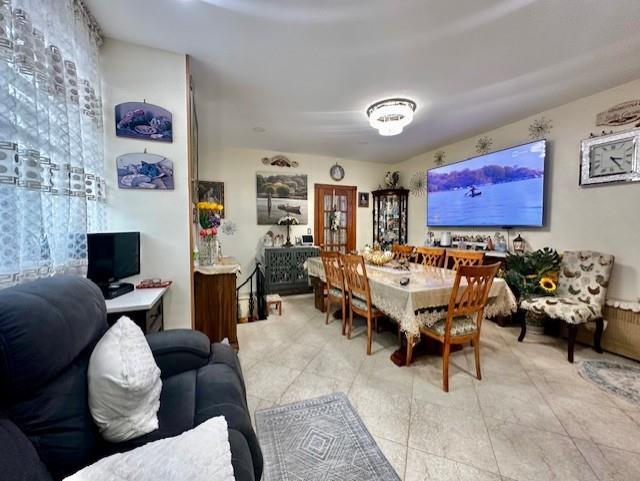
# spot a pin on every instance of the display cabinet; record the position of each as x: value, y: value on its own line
x: 390, y: 216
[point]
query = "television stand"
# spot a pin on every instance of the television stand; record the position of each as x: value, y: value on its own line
x: 116, y: 289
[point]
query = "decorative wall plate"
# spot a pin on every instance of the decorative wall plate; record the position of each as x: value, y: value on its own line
x: 144, y: 171
x: 140, y: 120
x: 279, y: 161
x: 337, y: 172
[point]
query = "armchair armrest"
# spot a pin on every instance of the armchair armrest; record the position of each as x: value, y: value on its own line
x: 179, y: 350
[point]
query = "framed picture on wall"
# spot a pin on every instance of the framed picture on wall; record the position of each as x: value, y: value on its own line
x: 211, y: 191
x: 144, y: 171
x: 280, y: 195
x: 140, y: 120
x: 363, y: 199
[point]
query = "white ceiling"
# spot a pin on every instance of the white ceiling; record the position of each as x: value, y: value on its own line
x: 305, y: 70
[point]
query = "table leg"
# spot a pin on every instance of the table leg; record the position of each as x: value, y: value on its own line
x: 404, y: 354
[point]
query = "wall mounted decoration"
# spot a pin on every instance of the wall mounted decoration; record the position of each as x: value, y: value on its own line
x: 438, y: 157
x: 337, y: 172
x: 144, y: 171
x: 140, y: 120
x: 540, y: 128
x: 279, y: 161
x: 363, y: 199
x: 209, y: 191
x: 280, y: 195
x: 392, y: 180
x: 610, y: 158
x: 229, y: 228
x: 418, y: 184
x: 483, y: 145
x: 621, y: 114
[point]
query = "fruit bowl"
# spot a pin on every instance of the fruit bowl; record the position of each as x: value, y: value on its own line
x: 378, y: 258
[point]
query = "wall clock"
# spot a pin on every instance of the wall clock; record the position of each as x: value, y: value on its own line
x: 337, y: 172
x: 610, y: 158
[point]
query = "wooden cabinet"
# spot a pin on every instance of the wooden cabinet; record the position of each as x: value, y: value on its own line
x: 284, y: 269
x: 390, y: 216
x: 216, y: 306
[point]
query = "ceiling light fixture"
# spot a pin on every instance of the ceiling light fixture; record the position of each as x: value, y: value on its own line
x: 390, y: 116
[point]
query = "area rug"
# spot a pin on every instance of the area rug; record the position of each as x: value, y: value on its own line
x: 622, y: 380
x: 320, y: 439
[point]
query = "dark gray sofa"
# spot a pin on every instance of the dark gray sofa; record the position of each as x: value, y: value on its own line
x: 48, y: 329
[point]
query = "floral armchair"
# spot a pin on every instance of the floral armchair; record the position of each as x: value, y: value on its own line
x: 582, y: 288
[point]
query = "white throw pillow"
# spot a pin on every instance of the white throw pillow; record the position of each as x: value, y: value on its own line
x: 201, y: 454
x: 124, y: 383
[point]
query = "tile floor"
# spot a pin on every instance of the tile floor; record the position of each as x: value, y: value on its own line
x: 531, y: 418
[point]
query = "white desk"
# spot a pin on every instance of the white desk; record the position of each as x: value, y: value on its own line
x: 137, y: 300
x: 142, y: 306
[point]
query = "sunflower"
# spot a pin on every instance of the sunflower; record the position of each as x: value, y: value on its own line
x: 548, y: 285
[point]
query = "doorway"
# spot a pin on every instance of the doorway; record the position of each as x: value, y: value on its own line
x: 335, y: 217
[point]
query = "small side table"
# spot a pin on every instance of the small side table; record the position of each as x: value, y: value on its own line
x: 276, y: 301
x: 142, y: 306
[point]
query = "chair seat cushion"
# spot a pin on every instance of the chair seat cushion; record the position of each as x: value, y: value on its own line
x: 460, y: 326
x: 567, y: 309
x: 362, y: 305
x: 335, y: 292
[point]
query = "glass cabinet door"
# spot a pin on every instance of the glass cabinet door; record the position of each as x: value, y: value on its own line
x: 390, y: 217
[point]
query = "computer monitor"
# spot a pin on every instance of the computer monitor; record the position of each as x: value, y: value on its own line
x: 113, y: 256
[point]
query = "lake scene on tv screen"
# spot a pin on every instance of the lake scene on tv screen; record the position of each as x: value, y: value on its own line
x: 504, y: 188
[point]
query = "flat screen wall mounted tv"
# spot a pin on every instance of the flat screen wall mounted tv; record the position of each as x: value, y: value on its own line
x: 500, y: 189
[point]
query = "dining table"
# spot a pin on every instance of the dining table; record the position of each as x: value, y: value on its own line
x: 421, y: 302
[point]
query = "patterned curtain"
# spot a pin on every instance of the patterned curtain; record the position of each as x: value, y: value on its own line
x: 51, y: 160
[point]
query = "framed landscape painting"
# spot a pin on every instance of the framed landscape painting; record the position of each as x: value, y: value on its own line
x: 279, y: 195
x: 210, y: 191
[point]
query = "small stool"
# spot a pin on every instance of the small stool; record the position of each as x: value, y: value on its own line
x: 276, y: 301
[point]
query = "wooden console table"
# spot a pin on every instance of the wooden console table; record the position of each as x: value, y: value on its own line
x: 216, y: 305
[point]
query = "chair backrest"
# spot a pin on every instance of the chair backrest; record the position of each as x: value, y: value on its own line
x: 472, y: 298
x: 459, y: 258
x: 355, y: 273
x: 402, y: 251
x: 585, y: 275
x: 430, y: 256
x: 48, y: 329
x: 333, y: 272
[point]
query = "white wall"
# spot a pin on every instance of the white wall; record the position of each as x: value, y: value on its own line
x: 604, y: 218
x: 237, y: 169
x: 132, y: 72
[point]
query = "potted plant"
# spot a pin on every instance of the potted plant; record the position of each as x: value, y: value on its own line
x: 533, y: 274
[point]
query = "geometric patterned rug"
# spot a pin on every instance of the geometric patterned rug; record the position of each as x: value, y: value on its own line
x: 320, y: 439
x: 622, y: 380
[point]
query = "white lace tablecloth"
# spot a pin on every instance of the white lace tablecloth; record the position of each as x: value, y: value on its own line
x: 424, y: 301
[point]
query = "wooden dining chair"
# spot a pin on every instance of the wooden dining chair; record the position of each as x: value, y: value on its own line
x: 355, y: 273
x: 430, y: 256
x: 336, y: 289
x: 464, y: 314
x: 401, y: 251
x: 462, y: 258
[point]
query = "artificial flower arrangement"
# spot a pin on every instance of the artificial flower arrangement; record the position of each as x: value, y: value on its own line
x: 209, y: 216
x: 533, y: 273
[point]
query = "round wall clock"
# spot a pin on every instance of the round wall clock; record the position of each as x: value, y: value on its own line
x: 337, y: 172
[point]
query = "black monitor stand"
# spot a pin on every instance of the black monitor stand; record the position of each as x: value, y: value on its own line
x: 115, y: 289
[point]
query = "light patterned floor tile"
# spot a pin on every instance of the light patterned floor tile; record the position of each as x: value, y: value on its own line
x: 426, y: 467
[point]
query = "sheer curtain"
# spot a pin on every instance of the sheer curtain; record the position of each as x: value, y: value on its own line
x: 51, y: 161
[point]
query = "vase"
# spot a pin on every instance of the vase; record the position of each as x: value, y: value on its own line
x: 209, y: 249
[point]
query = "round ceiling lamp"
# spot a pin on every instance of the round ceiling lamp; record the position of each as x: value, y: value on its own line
x: 391, y: 116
